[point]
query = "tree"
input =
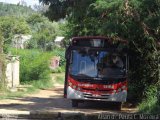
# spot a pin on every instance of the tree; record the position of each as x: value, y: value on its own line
x: 15, y: 10
x: 11, y: 26
x: 44, y: 32
x: 136, y: 21
x: 57, y: 8
x: 2, y: 64
x: 41, y: 8
x: 1, y: 42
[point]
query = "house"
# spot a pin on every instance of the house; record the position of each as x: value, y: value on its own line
x: 59, y: 41
x: 20, y: 41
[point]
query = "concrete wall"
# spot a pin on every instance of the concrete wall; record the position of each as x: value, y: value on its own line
x: 12, y: 72
x: 54, y: 62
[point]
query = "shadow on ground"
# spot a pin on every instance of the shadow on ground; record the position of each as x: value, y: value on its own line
x: 57, y: 102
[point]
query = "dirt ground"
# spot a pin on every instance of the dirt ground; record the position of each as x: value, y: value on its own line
x: 51, y: 100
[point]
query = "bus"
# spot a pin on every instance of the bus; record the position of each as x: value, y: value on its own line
x: 96, y: 70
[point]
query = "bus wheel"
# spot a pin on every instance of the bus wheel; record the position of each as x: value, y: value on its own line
x: 74, y: 103
x: 119, y: 105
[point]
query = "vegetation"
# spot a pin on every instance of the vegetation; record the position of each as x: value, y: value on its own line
x: 2, y: 72
x: 10, y: 26
x: 38, y: 69
x: 34, y: 61
x: 60, y: 79
x: 136, y: 21
x: 15, y: 10
x: 2, y: 65
x: 151, y: 103
x: 43, y: 32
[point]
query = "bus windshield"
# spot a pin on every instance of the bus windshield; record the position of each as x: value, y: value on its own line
x: 97, y: 64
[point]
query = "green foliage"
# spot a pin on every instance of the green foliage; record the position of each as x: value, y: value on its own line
x: 2, y: 72
x: 60, y: 79
x: 151, y: 103
x: 34, y: 65
x: 61, y: 53
x: 15, y: 10
x: 1, y: 42
x: 35, y: 19
x: 10, y: 26
x: 57, y: 70
x: 41, y: 84
x: 2, y: 65
x: 150, y: 106
x: 43, y: 31
x: 57, y: 9
x: 136, y: 21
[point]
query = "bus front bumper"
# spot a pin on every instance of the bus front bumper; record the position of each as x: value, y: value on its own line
x: 115, y: 97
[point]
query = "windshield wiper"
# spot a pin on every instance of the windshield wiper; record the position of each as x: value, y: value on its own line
x: 83, y: 75
x: 97, y: 78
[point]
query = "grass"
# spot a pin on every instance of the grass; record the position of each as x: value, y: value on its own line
x: 60, y: 79
x: 150, y: 106
x: 34, y: 70
x: 11, y: 95
x: 35, y: 86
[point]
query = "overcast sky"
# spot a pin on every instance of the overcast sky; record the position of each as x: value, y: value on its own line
x: 29, y: 2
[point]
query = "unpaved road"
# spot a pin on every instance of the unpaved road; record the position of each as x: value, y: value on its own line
x: 51, y: 100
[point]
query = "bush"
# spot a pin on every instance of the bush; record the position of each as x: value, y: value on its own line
x: 151, y: 103
x: 58, y: 70
x: 34, y: 65
x: 150, y: 106
x: 2, y: 71
x: 60, y: 52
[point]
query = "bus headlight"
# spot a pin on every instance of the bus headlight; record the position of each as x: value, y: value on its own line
x: 78, y: 89
x: 119, y: 89
x: 70, y: 84
x: 114, y: 91
x: 74, y: 87
x: 123, y: 87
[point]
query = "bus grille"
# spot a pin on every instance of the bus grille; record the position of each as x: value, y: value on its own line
x: 91, y: 96
x: 97, y: 90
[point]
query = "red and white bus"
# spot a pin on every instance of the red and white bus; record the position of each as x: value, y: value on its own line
x: 96, y: 69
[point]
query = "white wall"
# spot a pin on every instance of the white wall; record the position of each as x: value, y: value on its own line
x: 12, y: 74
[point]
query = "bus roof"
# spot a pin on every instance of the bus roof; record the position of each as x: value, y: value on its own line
x: 97, y: 37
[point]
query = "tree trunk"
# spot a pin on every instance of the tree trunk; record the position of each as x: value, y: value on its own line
x: 2, y: 79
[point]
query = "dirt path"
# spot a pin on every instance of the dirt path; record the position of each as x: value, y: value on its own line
x: 51, y: 100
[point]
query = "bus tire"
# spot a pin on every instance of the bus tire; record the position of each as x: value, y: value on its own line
x: 74, y: 103
x: 119, y: 105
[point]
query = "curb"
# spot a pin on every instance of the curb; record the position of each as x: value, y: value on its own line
x: 50, y: 116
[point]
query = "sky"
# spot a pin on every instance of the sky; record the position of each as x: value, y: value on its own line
x: 29, y: 2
